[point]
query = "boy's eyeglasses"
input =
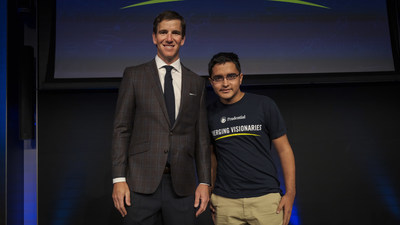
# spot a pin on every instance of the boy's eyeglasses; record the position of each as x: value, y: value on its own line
x: 220, y: 78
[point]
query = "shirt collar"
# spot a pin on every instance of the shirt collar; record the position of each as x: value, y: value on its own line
x: 160, y: 63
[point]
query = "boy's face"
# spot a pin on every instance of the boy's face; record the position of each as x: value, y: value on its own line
x: 227, y: 88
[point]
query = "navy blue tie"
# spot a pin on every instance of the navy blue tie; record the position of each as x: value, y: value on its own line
x: 169, y: 94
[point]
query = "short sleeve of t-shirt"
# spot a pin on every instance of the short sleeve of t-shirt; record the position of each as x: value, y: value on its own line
x: 273, y: 118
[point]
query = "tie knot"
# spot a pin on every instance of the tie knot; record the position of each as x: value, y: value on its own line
x: 168, y: 68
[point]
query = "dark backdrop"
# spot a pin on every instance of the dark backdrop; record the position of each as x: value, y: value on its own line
x: 345, y: 139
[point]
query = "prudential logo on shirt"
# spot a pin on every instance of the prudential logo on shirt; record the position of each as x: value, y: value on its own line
x: 225, y: 119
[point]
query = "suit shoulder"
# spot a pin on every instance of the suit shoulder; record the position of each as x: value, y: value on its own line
x: 189, y: 73
x: 141, y: 70
x: 139, y: 67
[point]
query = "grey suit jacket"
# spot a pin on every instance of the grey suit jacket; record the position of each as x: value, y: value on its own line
x: 142, y: 135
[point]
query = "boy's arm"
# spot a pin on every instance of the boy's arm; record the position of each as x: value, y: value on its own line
x: 286, y: 156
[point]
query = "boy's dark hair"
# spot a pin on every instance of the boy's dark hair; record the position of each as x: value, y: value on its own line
x: 222, y: 58
x: 169, y: 15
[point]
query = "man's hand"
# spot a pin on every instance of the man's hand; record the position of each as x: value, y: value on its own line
x: 201, y: 195
x: 120, y: 193
x: 286, y: 204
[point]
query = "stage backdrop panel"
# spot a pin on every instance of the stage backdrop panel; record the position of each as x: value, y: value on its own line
x: 345, y: 139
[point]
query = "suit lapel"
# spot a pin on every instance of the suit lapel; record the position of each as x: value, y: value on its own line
x: 185, y: 89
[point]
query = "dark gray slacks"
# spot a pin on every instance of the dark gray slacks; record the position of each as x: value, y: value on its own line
x: 162, y: 207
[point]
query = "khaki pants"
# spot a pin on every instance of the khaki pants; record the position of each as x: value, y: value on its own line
x: 254, y: 211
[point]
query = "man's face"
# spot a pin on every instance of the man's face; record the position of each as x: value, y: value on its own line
x: 168, y: 40
x: 228, y: 88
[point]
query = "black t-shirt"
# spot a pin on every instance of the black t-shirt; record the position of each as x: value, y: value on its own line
x: 242, y: 133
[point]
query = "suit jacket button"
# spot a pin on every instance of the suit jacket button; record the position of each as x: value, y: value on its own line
x: 170, y: 133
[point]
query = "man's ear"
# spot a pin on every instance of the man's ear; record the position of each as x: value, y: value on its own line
x: 154, y: 38
x: 183, y: 41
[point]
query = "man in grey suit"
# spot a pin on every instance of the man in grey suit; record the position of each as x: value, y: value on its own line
x: 158, y: 148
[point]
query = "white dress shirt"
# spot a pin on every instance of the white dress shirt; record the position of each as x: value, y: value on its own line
x: 176, y: 74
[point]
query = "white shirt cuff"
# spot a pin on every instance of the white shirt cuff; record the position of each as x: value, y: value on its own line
x: 119, y: 179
